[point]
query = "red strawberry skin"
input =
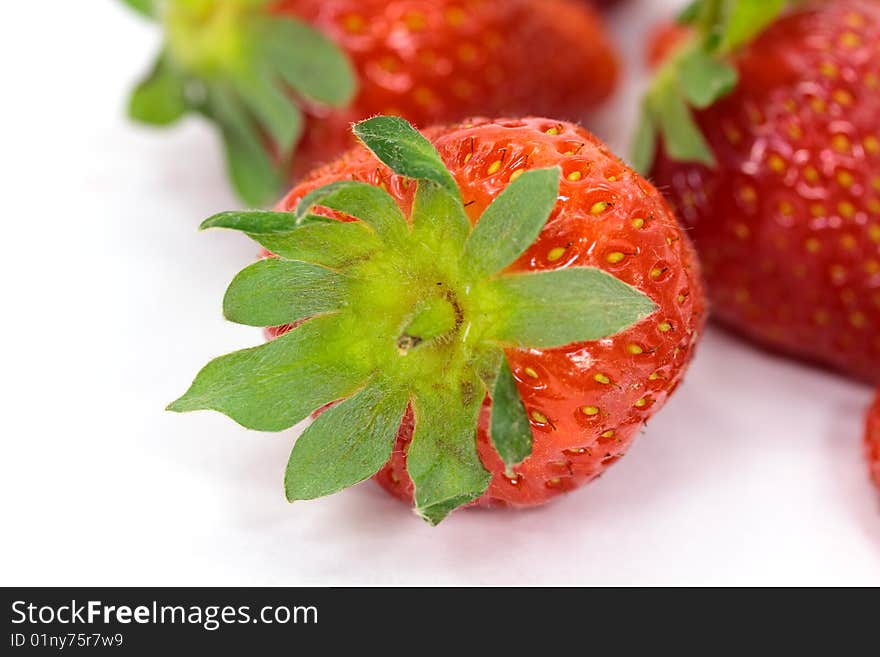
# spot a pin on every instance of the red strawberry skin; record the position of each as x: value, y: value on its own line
x: 872, y: 440
x: 437, y: 61
x: 788, y: 224
x: 587, y: 401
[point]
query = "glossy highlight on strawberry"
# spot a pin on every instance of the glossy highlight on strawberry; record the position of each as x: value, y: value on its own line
x: 586, y: 402
x: 787, y: 218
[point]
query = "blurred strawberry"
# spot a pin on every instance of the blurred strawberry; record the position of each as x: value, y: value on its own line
x: 288, y: 78
x: 770, y: 153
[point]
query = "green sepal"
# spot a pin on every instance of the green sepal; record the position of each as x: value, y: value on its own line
x: 308, y: 61
x: 271, y: 106
x: 247, y: 69
x: 159, y: 99
x: 704, y: 78
x: 512, y: 222
x: 254, y: 174
x: 442, y: 459
x: 271, y: 292
x: 347, y: 443
x: 644, y: 148
x: 276, y: 385
x: 682, y: 137
x: 372, y: 205
x: 438, y: 218
x: 143, y: 7
x: 746, y: 19
x: 405, y: 151
x: 556, y: 308
x: 510, y: 430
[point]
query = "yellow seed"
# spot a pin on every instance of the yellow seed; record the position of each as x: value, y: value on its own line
x: 353, y: 23
x: 615, y: 257
x: 846, y: 209
x: 848, y: 242
x: 599, y: 208
x: 641, y: 403
x: 850, y: 40
x: 556, y: 254
x: 654, y: 376
x: 495, y: 167
x: 841, y: 143
x: 776, y: 163
x: 828, y: 69
x: 874, y: 205
x: 858, y: 320
x: 590, y: 410
x: 455, y: 16
x: 811, y: 174
x: 822, y: 317
x: 601, y: 378
x: 539, y: 417
x: 638, y: 223
x: 553, y: 131
x: 516, y: 174
x: 656, y: 272
x: 818, y: 105
x: 871, y: 144
x: 845, y: 178
x: 530, y: 372
x: 574, y: 176
x: 608, y: 434
x: 813, y: 245
x: 842, y: 97
x: 748, y: 194
x: 818, y: 210
x: 741, y: 231
x: 664, y: 327
x: 635, y: 349
x: 871, y: 80
x: 874, y: 232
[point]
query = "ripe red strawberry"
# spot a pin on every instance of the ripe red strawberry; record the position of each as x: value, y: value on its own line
x: 586, y: 362
x: 778, y: 181
x: 431, y: 61
x: 872, y: 440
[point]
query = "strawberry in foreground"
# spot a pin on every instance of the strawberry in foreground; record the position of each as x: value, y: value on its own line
x: 506, y: 362
x: 872, y: 440
x: 284, y: 80
x: 770, y: 152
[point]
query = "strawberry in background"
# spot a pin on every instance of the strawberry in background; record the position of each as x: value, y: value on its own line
x: 872, y: 440
x: 501, y: 304
x: 284, y: 80
x: 762, y: 130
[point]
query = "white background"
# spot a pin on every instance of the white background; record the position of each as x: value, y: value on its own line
x: 753, y: 474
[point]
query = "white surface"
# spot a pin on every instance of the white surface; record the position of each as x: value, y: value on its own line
x: 752, y: 475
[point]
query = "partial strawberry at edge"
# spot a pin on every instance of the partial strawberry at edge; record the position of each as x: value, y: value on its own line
x: 787, y: 220
x: 872, y: 440
x: 587, y: 402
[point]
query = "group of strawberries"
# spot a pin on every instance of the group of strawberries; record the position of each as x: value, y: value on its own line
x: 489, y: 310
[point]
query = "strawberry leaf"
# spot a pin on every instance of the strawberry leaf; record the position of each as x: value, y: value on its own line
x: 746, y: 19
x: 704, y: 79
x: 254, y: 174
x: 405, y: 151
x: 512, y: 222
x: 308, y: 61
x: 272, y: 292
x: 346, y: 444
x: 281, y: 119
x: 560, y: 307
x: 371, y: 204
x: 681, y: 134
x: 143, y: 7
x: 644, y: 148
x: 510, y: 429
x: 439, y: 218
x: 160, y: 99
x: 276, y: 385
x: 442, y: 459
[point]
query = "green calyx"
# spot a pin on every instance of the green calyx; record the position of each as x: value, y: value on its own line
x: 247, y: 70
x: 696, y: 76
x: 401, y: 311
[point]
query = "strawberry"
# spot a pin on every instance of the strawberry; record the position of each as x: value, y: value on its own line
x: 771, y: 157
x: 290, y: 76
x: 502, y: 345
x: 872, y: 440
